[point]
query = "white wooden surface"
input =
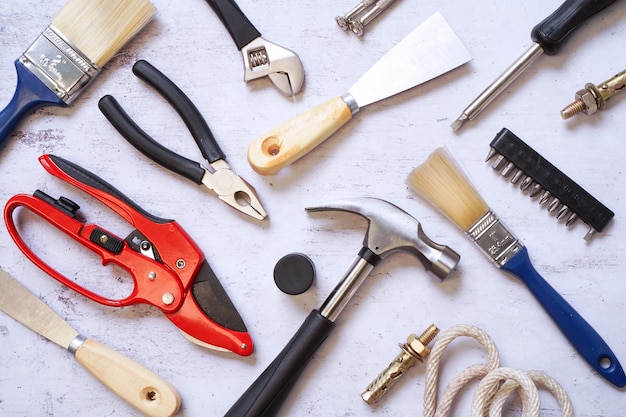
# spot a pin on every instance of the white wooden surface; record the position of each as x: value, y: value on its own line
x: 371, y: 156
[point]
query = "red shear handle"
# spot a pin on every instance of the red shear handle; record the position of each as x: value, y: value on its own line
x: 173, y: 243
x: 154, y: 283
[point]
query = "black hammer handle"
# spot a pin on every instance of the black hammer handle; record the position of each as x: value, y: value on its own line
x: 552, y: 32
x: 241, y: 30
x: 267, y: 394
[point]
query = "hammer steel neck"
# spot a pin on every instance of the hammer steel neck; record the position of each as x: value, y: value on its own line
x: 347, y: 287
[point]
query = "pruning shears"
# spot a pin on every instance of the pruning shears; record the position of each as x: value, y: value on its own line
x: 169, y: 270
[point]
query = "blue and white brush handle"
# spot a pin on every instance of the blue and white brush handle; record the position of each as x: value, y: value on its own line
x: 30, y: 94
x: 506, y: 251
x: 587, y: 342
x: 51, y: 72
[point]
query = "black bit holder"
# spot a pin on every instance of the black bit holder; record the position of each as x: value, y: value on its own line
x: 555, y: 185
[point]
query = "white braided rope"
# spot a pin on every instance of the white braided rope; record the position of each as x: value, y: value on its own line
x: 491, y: 394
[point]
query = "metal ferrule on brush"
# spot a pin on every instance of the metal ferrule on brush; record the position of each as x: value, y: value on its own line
x: 59, y: 64
x: 495, y: 240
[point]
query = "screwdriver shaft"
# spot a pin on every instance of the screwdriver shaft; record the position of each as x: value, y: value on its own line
x: 495, y: 88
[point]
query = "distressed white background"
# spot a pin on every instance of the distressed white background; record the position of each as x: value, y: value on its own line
x: 371, y: 156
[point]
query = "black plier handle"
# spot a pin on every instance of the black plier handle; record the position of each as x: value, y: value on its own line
x: 221, y: 179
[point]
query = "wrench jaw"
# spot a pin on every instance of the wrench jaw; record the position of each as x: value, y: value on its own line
x: 263, y: 58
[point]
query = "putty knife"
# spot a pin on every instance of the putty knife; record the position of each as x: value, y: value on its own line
x: 140, y: 387
x: 431, y: 50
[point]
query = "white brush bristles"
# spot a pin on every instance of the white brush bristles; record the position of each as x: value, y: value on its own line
x: 440, y: 181
x: 100, y: 28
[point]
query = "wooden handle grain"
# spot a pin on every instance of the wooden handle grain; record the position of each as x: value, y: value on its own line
x: 293, y: 139
x: 140, y: 387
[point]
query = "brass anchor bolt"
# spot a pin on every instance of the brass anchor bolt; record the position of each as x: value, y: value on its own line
x: 415, y: 349
x: 594, y: 98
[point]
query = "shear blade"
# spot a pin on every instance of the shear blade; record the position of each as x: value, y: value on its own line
x: 201, y: 343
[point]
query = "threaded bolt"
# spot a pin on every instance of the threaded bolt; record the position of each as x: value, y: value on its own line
x: 344, y: 21
x: 428, y: 335
x: 572, y: 109
x: 594, y: 97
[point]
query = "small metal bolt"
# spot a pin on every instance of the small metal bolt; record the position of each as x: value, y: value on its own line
x: 180, y: 264
x: 344, y: 21
x: 152, y: 275
x: 103, y: 239
x: 594, y: 97
x: 357, y: 25
x: 415, y: 349
x: 167, y: 298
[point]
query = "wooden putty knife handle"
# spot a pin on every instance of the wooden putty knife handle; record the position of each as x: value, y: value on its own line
x: 140, y: 387
x: 293, y: 139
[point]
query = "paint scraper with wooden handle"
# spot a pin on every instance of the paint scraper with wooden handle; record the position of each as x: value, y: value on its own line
x: 429, y: 51
x: 140, y: 387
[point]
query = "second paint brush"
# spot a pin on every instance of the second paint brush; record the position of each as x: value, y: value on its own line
x: 441, y: 182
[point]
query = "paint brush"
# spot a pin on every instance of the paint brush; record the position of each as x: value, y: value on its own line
x: 82, y: 37
x: 440, y: 181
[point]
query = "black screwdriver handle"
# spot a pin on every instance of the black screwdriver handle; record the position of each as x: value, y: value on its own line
x: 145, y: 144
x: 240, y: 28
x: 184, y: 107
x: 552, y: 32
x: 268, y: 393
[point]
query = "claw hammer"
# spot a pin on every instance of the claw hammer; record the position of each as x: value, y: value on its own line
x: 390, y: 230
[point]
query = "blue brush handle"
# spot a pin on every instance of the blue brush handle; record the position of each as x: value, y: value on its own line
x: 581, y: 335
x: 30, y: 94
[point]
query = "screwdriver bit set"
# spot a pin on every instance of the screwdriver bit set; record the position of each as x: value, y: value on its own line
x: 513, y: 157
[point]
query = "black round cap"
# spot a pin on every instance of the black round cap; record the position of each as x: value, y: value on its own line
x: 294, y: 273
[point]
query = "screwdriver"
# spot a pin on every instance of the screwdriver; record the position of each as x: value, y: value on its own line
x: 548, y: 37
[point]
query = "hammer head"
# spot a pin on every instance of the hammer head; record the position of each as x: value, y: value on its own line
x: 392, y: 229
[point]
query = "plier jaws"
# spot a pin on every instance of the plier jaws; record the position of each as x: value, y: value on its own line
x: 233, y: 190
x: 283, y: 67
x: 218, y: 177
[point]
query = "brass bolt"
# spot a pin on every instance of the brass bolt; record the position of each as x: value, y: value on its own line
x: 594, y: 97
x: 415, y: 349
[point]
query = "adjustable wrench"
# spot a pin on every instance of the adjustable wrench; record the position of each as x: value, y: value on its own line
x: 260, y: 57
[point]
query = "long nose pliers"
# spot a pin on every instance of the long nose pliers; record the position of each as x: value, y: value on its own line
x: 229, y: 187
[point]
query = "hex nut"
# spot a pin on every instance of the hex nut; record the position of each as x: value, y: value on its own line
x: 417, y: 347
x: 588, y: 99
